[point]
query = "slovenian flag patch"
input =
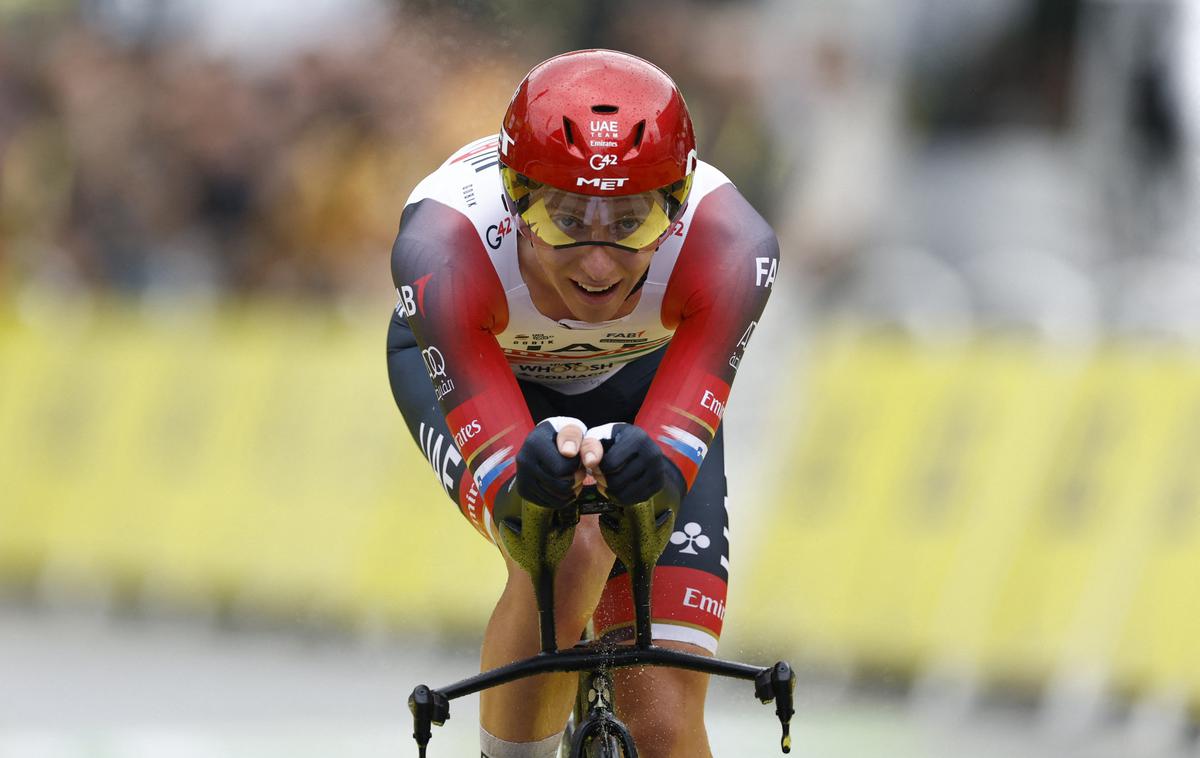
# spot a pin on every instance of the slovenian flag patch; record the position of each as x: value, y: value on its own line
x: 686, y: 443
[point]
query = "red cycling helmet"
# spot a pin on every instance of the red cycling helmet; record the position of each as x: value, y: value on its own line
x: 597, y: 148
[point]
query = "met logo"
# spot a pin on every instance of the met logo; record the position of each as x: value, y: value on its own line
x: 601, y: 184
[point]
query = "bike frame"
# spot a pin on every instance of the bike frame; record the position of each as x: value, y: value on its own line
x: 594, y: 718
x: 537, y: 540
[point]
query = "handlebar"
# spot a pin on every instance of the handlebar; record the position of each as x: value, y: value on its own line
x: 537, y: 538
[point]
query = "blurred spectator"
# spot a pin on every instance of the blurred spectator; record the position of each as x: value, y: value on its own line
x: 136, y: 159
x: 830, y: 83
x: 156, y: 145
x: 169, y: 145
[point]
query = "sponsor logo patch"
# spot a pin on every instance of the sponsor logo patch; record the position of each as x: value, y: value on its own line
x: 497, y: 232
x: 412, y: 297
x: 604, y: 128
x: 735, y: 360
x: 694, y: 598
x: 442, y: 456
x: 692, y: 536
x: 435, y: 366
x: 601, y: 184
x: 600, y: 162
x: 466, y: 432
x: 764, y: 271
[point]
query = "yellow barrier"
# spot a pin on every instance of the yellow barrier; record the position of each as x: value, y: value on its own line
x: 998, y: 509
x: 252, y: 459
x: 1004, y: 509
x: 1155, y: 642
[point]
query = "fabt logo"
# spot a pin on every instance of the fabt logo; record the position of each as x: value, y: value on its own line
x: 405, y: 305
x: 602, y: 184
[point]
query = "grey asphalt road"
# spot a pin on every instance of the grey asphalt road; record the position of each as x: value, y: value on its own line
x: 74, y: 685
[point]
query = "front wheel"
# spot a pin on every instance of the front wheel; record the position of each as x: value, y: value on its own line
x: 602, y: 737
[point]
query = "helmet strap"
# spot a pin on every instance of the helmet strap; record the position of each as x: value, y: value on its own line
x: 639, y: 284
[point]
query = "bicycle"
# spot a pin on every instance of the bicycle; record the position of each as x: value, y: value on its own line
x: 537, y: 540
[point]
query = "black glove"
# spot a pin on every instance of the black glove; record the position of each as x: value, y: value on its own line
x: 633, y: 466
x: 544, y: 475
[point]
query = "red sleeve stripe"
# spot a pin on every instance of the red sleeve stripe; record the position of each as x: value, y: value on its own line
x: 489, y: 145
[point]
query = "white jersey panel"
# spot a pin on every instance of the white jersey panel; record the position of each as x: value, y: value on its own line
x: 569, y: 356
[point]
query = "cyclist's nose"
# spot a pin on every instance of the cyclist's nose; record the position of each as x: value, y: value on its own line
x: 597, y: 263
x: 598, y: 232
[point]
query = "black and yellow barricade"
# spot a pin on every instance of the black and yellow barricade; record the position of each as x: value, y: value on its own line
x: 961, y: 502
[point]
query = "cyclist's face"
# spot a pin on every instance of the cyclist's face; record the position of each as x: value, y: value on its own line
x: 592, y: 280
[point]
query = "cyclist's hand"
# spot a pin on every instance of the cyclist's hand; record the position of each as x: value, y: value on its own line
x: 572, y: 441
x: 633, y: 468
x: 548, y: 470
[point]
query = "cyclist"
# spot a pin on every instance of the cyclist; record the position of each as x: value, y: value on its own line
x: 583, y: 271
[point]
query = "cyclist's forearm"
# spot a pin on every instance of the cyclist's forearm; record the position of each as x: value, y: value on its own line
x: 714, y: 300
x: 451, y: 299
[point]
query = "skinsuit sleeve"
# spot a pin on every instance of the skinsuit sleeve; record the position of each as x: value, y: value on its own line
x: 454, y: 303
x: 713, y: 299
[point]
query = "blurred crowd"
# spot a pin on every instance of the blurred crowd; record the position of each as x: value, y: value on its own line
x: 137, y: 159
x: 148, y: 163
x: 1028, y: 164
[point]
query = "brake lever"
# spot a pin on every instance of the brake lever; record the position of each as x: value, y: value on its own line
x: 778, y: 684
x: 428, y: 707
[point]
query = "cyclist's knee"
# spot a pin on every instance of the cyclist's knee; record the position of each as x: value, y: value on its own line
x: 579, y: 581
x: 590, y: 559
x: 588, y: 562
x: 664, y: 708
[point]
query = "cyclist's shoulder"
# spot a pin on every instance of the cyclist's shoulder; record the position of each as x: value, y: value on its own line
x: 462, y: 194
x: 720, y: 217
x: 468, y: 181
